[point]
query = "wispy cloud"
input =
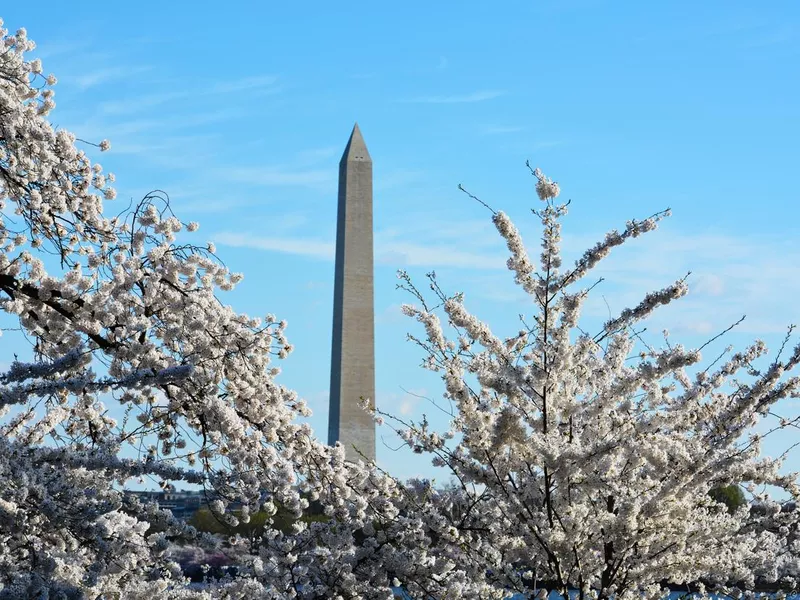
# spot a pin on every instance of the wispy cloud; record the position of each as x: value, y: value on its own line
x: 772, y: 38
x: 163, y: 141
x: 458, y: 98
x: 391, y: 314
x: 297, y: 246
x: 414, y: 242
x: 315, y: 155
x: 244, y: 84
x: 542, y: 144
x: 499, y: 129
x: 734, y: 32
x: 730, y: 273
x: 395, y: 253
x: 146, y: 129
x: 211, y: 205
x: 443, y: 63
x: 274, y: 176
x: 731, y: 276
x: 411, y: 254
x: 141, y: 103
x: 398, y: 177
x: 92, y: 78
x: 49, y: 49
x: 404, y: 402
x: 257, y: 83
x: 193, y: 198
x: 438, y: 229
x: 410, y: 400
x: 170, y: 145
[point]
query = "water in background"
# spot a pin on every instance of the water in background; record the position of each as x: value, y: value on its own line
x: 556, y: 596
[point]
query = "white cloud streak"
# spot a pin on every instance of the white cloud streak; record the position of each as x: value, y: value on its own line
x: 297, y: 246
x: 90, y: 79
x: 244, y: 84
x: 274, y: 176
x: 389, y: 251
x: 479, y: 96
x: 731, y: 275
x: 257, y: 83
x: 500, y: 129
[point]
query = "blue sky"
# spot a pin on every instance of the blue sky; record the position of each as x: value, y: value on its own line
x: 240, y: 111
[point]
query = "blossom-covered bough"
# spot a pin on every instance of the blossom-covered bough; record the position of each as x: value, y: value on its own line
x: 130, y: 318
x: 138, y: 372
x: 581, y: 465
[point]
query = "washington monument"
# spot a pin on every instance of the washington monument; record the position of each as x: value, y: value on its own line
x: 353, y: 347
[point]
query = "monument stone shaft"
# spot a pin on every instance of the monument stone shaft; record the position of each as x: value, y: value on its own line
x: 353, y: 347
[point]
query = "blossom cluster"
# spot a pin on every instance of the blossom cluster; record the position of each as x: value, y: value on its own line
x: 581, y: 463
x: 128, y: 315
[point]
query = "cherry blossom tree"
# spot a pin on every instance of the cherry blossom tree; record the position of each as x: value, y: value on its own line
x: 129, y: 317
x: 584, y: 461
x: 139, y: 372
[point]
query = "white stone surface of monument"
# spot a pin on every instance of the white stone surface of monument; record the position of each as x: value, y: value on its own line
x: 353, y: 345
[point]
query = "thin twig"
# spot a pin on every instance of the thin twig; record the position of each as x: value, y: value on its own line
x: 719, y: 335
x: 461, y: 187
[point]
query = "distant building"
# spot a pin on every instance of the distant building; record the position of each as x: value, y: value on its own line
x: 183, y: 504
